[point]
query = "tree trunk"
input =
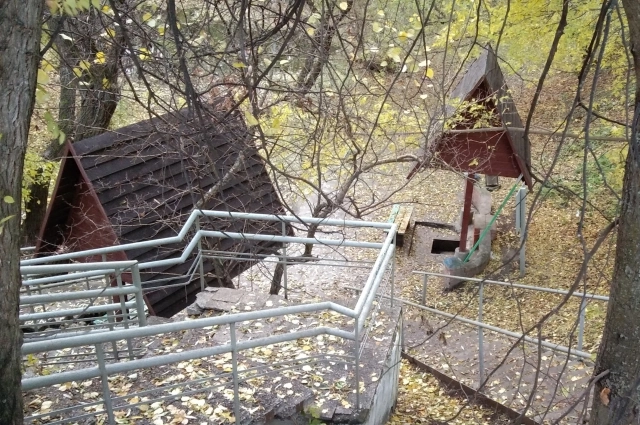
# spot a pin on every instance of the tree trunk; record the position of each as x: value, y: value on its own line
x: 101, y: 92
x: 320, y: 50
x: 616, y: 397
x: 35, y: 209
x: 98, y: 101
x: 276, y: 281
x: 19, y: 53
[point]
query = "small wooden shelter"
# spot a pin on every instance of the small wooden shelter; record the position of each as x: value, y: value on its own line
x: 479, y: 131
x: 141, y: 182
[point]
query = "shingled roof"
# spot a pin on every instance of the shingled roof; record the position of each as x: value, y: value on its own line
x: 483, y: 83
x: 142, y: 181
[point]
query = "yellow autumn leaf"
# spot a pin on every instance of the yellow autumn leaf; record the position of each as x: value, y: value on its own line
x: 161, y: 30
x: 474, y: 162
x: 43, y: 77
x: 315, y: 17
x: 429, y: 73
x: 251, y: 120
x: 394, y: 53
x: 100, y: 58
x: 111, y: 32
x: 238, y: 65
x: 105, y: 83
x: 343, y: 5
x: 311, y: 31
x: 144, y: 54
x: 147, y: 16
x: 46, y: 66
x: 106, y: 9
x: 402, y: 36
x: 41, y: 95
x: 84, y: 65
x: 77, y: 71
x: 53, y: 6
x: 616, y: 131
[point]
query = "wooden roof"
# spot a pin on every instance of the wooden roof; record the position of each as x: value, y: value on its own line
x: 502, y: 152
x: 144, y: 180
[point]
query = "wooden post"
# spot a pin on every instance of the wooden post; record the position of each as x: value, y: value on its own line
x: 466, y: 214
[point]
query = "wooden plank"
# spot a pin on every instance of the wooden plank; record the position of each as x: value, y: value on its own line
x: 129, y: 220
x: 407, y: 212
x: 394, y: 212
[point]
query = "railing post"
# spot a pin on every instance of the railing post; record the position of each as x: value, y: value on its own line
x: 39, y: 289
x: 583, y: 307
x: 480, y: 337
x: 522, y: 209
x: 137, y: 282
x: 393, y: 268
x: 284, y: 263
x: 356, y: 359
x: 424, y: 289
x: 32, y: 307
x: 114, y: 344
x: 106, y: 394
x: 107, y: 278
x: 124, y: 311
x: 201, y: 258
x: 234, y: 372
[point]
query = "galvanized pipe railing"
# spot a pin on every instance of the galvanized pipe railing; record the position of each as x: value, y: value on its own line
x: 90, y: 339
x: 584, y: 296
x: 121, y: 311
x: 103, y: 370
x: 191, y: 221
x: 96, y: 338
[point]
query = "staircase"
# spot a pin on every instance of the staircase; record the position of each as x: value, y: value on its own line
x: 510, y: 376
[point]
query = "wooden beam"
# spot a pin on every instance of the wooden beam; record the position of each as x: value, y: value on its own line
x: 543, y: 132
x: 466, y: 213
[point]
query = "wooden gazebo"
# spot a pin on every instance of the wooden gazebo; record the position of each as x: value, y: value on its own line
x: 480, y: 132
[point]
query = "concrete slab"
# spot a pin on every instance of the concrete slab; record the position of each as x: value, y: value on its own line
x: 219, y: 299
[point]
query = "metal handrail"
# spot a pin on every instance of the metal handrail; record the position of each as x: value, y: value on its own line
x: 550, y: 345
x: 584, y: 296
x: 359, y: 313
x: 191, y: 222
x: 519, y: 286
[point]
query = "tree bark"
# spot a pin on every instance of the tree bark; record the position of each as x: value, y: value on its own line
x: 616, y: 397
x: 35, y: 209
x: 276, y: 281
x: 100, y: 93
x: 98, y: 99
x: 19, y: 56
x: 320, y: 50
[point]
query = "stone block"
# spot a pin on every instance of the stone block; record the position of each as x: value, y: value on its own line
x: 219, y: 299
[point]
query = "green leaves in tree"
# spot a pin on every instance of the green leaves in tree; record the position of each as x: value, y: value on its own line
x: 53, y: 128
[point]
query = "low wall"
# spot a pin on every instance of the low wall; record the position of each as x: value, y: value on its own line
x: 384, y: 400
